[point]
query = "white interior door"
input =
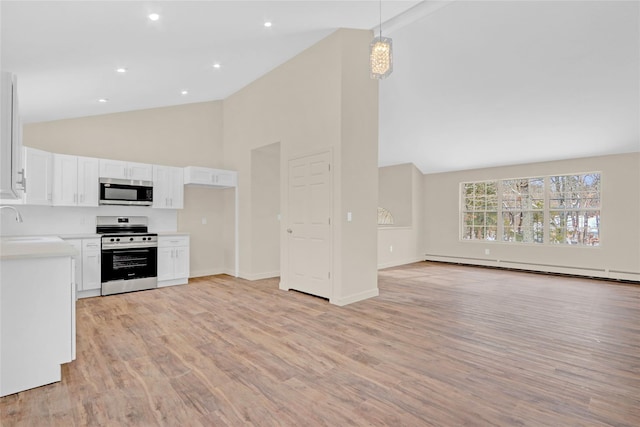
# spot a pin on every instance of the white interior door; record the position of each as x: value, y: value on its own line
x: 309, y: 230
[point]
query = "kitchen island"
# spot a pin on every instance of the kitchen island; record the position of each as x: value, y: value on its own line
x: 37, y: 311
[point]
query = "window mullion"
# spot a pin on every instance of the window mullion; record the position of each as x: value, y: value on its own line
x: 500, y: 229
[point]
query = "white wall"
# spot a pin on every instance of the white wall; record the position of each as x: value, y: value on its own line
x: 618, y: 255
x: 46, y: 220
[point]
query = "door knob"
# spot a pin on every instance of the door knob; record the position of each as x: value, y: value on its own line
x: 289, y: 230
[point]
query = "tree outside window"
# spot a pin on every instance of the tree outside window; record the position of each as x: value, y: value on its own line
x: 559, y: 209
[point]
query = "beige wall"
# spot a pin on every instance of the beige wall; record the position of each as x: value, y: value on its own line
x: 184, y: 135
x: 400, y: 190
x: 322, y: 99
x: 395, y: 192
x: 618, y: 255
x: 265, y: 210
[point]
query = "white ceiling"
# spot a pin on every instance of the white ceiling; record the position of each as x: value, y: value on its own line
x: 475, y: 83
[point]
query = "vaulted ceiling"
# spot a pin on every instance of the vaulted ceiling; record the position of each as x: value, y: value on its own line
x: 475, y: 83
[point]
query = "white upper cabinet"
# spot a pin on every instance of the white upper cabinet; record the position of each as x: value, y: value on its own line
x: 168, y: 187
x: 88, y: 187
x: 194, y: 175
x: 75, y: 180
x: 38, y: 169
x: 11, y: 170
x: 65, y: 180
x: 125, y: 170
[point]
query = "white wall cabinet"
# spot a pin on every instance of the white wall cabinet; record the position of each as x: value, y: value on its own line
x: 173, y: 260
x: 75, y: 180
x: 168, y: 187
x: 194, y: 175
x: 125, y: 170
x: 11, y: 170
x: 38, y: 169
x: 88, y: 264
x: 88, y: 187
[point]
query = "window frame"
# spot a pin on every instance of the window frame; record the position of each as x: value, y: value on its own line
x: 546, y: 211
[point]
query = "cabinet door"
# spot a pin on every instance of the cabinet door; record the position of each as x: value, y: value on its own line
x: 160, y: 186
x: 139, y: 171
x: 181, y: 262
x: 91, y: 263
x: 77, y: 245
x: 113, y: 169
x: 165, y: 263
x: 65, y: 180
x: 88, y: 187
x: 11, y: 183
x: 168, y: 187
x: 39, y: 175
x: 226, y: 178
x: 177, y: 188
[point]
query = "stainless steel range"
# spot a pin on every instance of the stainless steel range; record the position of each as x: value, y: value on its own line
x: 129, y: 254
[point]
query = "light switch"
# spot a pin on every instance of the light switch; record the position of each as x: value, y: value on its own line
x: 204, y: 220
x: 349, y: 217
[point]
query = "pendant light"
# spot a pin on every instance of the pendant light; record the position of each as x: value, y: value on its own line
x: 380, y: 54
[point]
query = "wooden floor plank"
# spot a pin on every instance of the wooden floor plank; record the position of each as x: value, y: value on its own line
x: 442, y: 345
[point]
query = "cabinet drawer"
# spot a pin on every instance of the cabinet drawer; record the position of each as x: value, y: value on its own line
x: 90, y: 244
x: 165, y: 242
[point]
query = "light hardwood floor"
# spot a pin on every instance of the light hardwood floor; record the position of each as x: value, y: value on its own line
x: 443, y: 345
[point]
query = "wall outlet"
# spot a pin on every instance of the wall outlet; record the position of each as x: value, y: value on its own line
x: 487, y: 251
x: 390, y: 248
x: 204, y: 220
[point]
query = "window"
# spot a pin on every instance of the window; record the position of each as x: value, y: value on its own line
x: 523, y: 210
x: 480, y: 214
x: 562, y: 209
x: 574, y: 209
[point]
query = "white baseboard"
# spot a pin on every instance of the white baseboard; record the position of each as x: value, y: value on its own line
x: 602, y: 273
x: 355, y: 297
x: 397, y: 263
x: 211, y: 272
x: 88, y: 294
x: 260, y: 276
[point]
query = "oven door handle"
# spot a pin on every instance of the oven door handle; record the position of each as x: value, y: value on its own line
x: 115, y: 247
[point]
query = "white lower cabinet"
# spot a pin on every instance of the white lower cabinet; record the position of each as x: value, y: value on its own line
x: 37, y: 314
x: 173, y: 260
x: 88, y: 266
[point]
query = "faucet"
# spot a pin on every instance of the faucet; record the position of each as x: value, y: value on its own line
x: 18, y: 216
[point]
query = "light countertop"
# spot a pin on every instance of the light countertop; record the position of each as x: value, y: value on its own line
x: 172, y: 233
x: 20, y: 247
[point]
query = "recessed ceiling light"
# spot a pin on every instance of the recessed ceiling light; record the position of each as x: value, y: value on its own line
x: 154, y: 16
x: 267, y: 24
x: 121, y: 70
x: 103, y: 100
x: 184, y: 92
x: 216, y: 66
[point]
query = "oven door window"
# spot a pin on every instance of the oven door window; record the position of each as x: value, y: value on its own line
x: 126, y: 264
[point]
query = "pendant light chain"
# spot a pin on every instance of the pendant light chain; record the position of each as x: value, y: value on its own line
x: 380, y: 27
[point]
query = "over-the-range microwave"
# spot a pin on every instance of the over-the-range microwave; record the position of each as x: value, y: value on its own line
x: 125, y: 192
